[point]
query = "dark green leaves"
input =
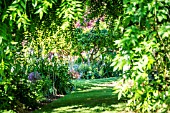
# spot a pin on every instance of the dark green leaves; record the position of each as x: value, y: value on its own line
x: 3, y: 32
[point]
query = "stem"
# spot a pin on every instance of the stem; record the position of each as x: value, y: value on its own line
x: 4, y: 4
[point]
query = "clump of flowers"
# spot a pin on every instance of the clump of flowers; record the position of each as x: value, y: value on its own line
x: 50, y: 55
x: 88, y: 24
x: 34, y: 76
x: 74, y: 74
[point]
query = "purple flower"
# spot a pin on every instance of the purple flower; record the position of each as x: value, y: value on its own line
x: 50, y: 55
x: 33, y: 76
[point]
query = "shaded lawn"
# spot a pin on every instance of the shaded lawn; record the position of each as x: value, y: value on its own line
x: 89, y: 96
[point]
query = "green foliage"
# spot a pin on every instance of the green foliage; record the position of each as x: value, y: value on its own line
x: 69, y: 11
x: 48, y: 63
x: 144, y: 47
x: 47, y: 33
x: 63, y: 80
x: 84, y: 70
x: 101, y: 68
x: 23, y: 51
x: 19, y: 95
x: 109, y: 8
x: 93, y: 42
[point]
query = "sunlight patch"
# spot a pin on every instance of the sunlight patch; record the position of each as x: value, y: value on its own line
x: 93, y: 88
x: 76, y: 108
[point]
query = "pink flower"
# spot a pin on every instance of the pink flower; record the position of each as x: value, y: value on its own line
x: 102, y: 19
x: 77, y: 25
x: 24, y: 42
x: 89, y: 24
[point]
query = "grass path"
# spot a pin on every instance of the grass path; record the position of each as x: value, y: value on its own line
x: 90, y: 96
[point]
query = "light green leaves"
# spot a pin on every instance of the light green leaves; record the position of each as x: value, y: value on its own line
x: 40, y: 11
x: 144, y: 36
x: 16, y: 13
x: 34, y: 3
x: 119, y: 62
x: 69, y: 10
x: 42, y: 7
x: 14, y: 43
x: 6, y: 88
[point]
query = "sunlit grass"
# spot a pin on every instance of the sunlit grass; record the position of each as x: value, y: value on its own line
x: 90, y: 96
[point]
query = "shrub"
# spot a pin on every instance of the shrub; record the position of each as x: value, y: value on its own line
x: 62, y: 80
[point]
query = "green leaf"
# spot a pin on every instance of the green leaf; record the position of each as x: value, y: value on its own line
x: 14, y: 43
x: 1, y: 39
x: 41, y: 15
x: 38, y: 11
x: 156, y: 93
x: 10, y: 97
x: 19, y: 12
x: 12, y: 8
x: 15, y: 2
x: 166, y: 34
x: 19, y: 25
x: 23, y: 4
x: 20, y: 8
x: 119, y: 95
x: 65, y: 25
x: 139, y: 92
x: 6, y: 88
x: 34, y: 3
x: 126, y: 21
x: 14, y: 15
x: 160, y: 18
x: 4, y: 17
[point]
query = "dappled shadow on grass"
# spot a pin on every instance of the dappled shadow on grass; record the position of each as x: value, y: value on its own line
x: 90, y: 101
x: 88, y: 84
x: 89, y: 96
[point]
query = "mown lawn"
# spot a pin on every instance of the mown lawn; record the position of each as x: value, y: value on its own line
x: 90, y: 96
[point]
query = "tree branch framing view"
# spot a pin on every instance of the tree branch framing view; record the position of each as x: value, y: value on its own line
x: 48, y: 46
